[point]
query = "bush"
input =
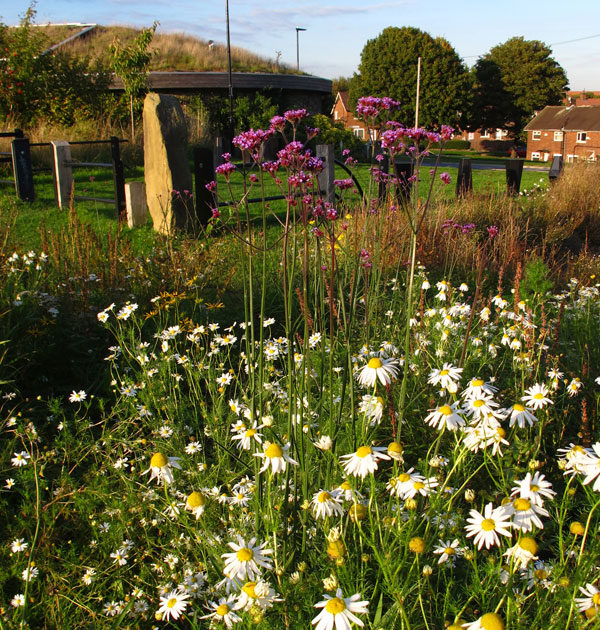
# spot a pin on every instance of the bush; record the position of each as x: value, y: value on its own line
x: 460, y: 145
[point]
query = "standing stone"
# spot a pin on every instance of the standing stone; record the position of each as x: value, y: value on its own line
x: 166, y: 168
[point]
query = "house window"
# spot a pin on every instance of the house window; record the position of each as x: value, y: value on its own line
x: 581, y: 136
x: 485, y: 133
x: 359, y: 132
x: 536, y: 135
x: 471, y: 135
x: 535, y: 155
x: 558, y: 136
x: 336, y: 115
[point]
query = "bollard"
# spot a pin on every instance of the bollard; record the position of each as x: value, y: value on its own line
x: 63, y: 174
x: 327, y: 175
x: 514, y: 171
x: 203, y: 173
x: 464, y: 179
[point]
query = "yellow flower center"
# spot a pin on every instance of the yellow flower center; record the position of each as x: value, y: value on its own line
x: 418, y: 485
x: 171, y: 602
x: 522, y: 505
x: 394, y: 447
x: 577, y: 528
x: 363, y: 451
x: 250, y: 432
x: 345, y: 485
x: 195, y: 500
x: 248, y: 588
x: 492, y: 621
x: 519, y: 407
x: 535, y: 488
x: 403, y: 477
x: 335, y: 606
x: 528, y: 544
x: 222, y: 610
x: 488, y: 524
x: 596, y: 599
x: 336, y: 549
x: 274, y: 450
x: 540, y: 574
x: 449, y: 551
x: 446, y: 410
x: 323, y: 496
x: 245, y: 554
x: 374, y: 364
x: 590, y: 613
x: 158, y: 461
x: 538, y: 396
x: 444, y: 373
x: 478, y: 403
x: 477, y: 382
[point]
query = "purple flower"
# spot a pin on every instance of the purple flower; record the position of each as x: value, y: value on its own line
x: 215, y: 213
x: 277, y: 123
x: 225, y: 169
x: 295, y: 115
x: 253, y: 178
x: 252, y: 139
x: 445, y: 177
x: 343, y: 184
x: 493, y: 231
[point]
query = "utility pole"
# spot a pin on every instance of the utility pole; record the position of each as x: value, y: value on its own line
x: 230, y: 75
x: 418, y: 93
x: 298, y: 29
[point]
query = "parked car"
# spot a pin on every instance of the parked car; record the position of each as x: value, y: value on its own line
x: 519, y: 152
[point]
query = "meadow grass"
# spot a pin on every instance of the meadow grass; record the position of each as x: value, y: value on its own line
x: 371, y: 410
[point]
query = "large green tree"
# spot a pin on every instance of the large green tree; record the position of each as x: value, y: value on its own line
x: 388, y: 67
x: 512, y: 81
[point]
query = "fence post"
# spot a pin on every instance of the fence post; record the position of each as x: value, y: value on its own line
x: 327, y: 175
x: 135, y: 199
x: 514, y: 171
x: 118, y: 177
x: 23, y: 172
x: 403, y: 171
x: 555, y: 169
x: 63, y: 174
x: 203, y: 173
x: 464, y: 179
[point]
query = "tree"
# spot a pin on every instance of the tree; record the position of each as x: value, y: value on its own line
x: 388, y: 67
x: 514, y: 80
x: 131, y: 64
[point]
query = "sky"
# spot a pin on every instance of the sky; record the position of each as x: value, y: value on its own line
x: 337, y: 30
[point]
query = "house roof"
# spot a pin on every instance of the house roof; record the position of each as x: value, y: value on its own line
x: 582, y: 97
x: 574, y: 118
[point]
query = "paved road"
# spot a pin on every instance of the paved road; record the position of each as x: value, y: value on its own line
x: 486, y: 166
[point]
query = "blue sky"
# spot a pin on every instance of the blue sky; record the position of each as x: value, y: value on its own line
x: 337, y: 30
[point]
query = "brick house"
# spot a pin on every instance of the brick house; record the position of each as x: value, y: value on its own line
x: 341, y: 112
x: 488, y: 139
x: 578, y: 97
x: 572, y: 132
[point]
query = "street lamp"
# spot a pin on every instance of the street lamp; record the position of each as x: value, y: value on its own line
x: 298, y: 29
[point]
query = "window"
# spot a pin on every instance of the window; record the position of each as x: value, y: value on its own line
x: 581, y: 136
x: 359, y: 132
x: 535, y: 155
x: 485, y: 133
x: 471, y: 135
x: 558, y: 136
x: 336, y: 114
x: 536, y: 135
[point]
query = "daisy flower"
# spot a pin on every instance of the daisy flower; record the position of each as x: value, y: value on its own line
x: 339, y: 612
x: 384, y: 370
x: 537, y: 396
x: 448, y: 551
x: 446, y: 416
x: 478, y: 387
x: 195, y: 503
x: 259, y: 594
x: 591, y: 599
x: 326, y: 504
x: 18, y: 600
x: 244, y: 561
x: 526, y: 514
x: 160, y: 468
x: 534, y: 488
x: 363, y: 461
x: 486, y: 527
x: 20, y: 459
x: 481, y: 407
x: 372, y: 407
x: 223, y: 611
x: 397, y: 486
x: 275, y: 456
x: 489, y: 621
x: 79, y: 396
x: 245, y: 438
x: 447, y: 378
x: 590, y: 466
x: 18, y: 544
x: 574, y: 386
x: 523, y: 552
x: 173, y: 604
x: 520, y: 415
x: 421, y: 486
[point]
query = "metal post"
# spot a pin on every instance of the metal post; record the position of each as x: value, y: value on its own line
x: 514, y: 171
x: 231, y: 126
x: 298, y: 29
x: 327, y: 175
x: 118, y: 177
x: 203, y: 173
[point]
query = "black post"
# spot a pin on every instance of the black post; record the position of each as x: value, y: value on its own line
x: 327, y: 175
x: 403, y: 171
x: 464, y: 179
x: 22, y: 170
x: 556, y: 168
x: 118, y: 177
x: 203, y: 173
x: 514, y: 171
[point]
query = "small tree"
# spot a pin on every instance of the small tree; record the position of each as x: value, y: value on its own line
x: 131, y: 64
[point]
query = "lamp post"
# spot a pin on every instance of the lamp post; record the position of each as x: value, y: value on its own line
x: 298, y: 29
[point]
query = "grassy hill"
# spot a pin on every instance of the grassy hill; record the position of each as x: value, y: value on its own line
x: 174, y: 51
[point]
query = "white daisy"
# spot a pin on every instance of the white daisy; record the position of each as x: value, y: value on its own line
x: 523, y: 552
x: 591, y: 599
x: 520, y: 415
x: 160, y: 468
x: 20, y: 459
x: 478, y: 387
x: 195, y: 503
x: 535, y: 488
x: 244, y: 561
x: 364, y: 461
x: 259, y: 594
x: 537, y: 396
x: 339, y: 612
x: 489, y: 621
x: 173, y: 604
x: 326, y: 504
x: 248, y: 436
x: 446, y: 417
x: 447, y: 378
x: 384, y: 370
x: 448, y: 551
x: 486, y: 527
x: 223, y: 611
x: 275, y: 456
x: 590, y: 466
